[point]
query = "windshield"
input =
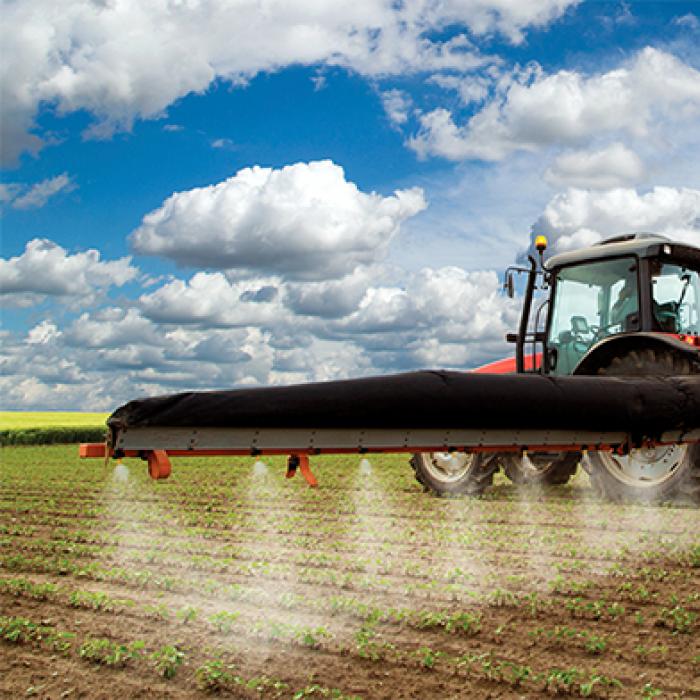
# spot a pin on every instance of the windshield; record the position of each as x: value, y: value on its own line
x: 591, y: 301
x: 676, y: 292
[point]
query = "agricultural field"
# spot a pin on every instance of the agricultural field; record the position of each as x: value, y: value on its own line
x: 20, y: 420
x: 46, y: 427
x: 229, y: 579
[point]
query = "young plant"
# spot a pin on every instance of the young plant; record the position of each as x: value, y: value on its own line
x: 215, y: 676
x: 649, y: 692
x: 224, y: 621
x: 108, y: 653
x: 677, y: 619
x: 428, y: 657
x: 595, y: 644
x: 312, y: 637
x: 187, y: 614
x: 167, y: 659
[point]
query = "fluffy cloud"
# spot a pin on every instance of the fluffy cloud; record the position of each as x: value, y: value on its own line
x: 302, y: 221
x: 37, y: 195
x: 208, y: 332
x: 613, y: 166
x: 531, y: 110
x: 43, y: 333
x: 397, y: 105
x: 125, y: 60
x: 46, y: 269
x: 209, y: 299
x: 447, y: 304
x: 473, y: 88
x: 111, y: 328
x: 331, y: 298
x: 582, y: 217
x: 689, y: 20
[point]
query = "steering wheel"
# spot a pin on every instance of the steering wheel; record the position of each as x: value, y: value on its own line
x: 600, y: 332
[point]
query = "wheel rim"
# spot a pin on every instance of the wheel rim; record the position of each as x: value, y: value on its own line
x: 645, y: 467
x: 447, y: 466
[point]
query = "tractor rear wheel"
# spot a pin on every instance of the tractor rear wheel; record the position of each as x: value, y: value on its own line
x: 648, y: 474
x: 541, y: 468
x: 453, y: 473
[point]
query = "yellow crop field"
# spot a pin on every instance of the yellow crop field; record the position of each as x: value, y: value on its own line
x: 20, y: 420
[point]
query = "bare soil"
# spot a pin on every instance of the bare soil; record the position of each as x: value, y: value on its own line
x: 365, y: 587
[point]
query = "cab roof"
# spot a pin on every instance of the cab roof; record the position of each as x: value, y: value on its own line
x: 641, y: 245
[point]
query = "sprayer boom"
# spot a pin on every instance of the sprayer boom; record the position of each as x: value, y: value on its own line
x: 414, y: 412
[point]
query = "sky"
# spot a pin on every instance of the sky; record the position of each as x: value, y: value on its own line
x: 205, y: 194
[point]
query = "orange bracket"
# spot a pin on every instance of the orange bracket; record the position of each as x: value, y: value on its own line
x: 89, y: 450
x: 301, y: 461
x: 159, y: 466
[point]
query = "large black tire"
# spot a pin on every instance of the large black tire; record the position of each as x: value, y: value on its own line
x: 648, y: 475
x: 453, y: 473
x: 540, y: 468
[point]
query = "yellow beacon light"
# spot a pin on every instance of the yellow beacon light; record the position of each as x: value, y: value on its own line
x: 541, y: 243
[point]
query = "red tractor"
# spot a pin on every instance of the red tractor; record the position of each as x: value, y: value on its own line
x: 627, y: 306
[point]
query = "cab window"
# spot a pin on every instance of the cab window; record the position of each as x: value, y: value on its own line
x: 675, y: 292
x: 591, y: 301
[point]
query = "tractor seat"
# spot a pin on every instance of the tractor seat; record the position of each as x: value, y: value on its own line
x: 666, y: 317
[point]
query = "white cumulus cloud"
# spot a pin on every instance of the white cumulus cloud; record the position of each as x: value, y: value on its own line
x: 209, y: 299
x: 47, y: 269
x: 532, y: 110
x: 112, y: 328
x: 613, y: 166
x: 43, y: 333
x: 447, y: 304
x: 397, y: 105
x: 302, y: 221
x: 123, y: 60
x: 211, y: 333
x: 331, y: 298
x: 582, y: 217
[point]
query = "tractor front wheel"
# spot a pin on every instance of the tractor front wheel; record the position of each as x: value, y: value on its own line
x: 453, y: 473
x: 655, y: 473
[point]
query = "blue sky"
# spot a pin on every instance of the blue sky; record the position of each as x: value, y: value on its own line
x: 309, y: 191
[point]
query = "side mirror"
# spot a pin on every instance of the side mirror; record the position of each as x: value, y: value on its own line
x: 509, y: 285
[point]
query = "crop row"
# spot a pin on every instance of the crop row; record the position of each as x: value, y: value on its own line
x: 318, y: 568
x: 215, y: 675
x: 675, y: 616
x: 307, y: 536
x: 368, y: 642
x: 212, y: 675
x: 234, y: 558
x: 517, y: 516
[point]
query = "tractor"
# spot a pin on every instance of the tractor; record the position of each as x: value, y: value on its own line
x: 629, y: 305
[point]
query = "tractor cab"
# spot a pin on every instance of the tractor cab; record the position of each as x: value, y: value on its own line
x: 628, y: 285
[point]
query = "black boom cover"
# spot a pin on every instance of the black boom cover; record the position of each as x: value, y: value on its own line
x: 644, y: 407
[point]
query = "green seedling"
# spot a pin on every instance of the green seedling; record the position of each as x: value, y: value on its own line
x: 186, y: 614
x: 224, y: 621
x: 215, y: 676
x: 167, y: 659
x: 108, y: 653
x: 677, y: 619
x: 649, y: 691
x: 428, y: 657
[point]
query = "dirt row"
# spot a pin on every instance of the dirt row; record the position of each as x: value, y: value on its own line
x: 370, y: 589
x: 340, y: 662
